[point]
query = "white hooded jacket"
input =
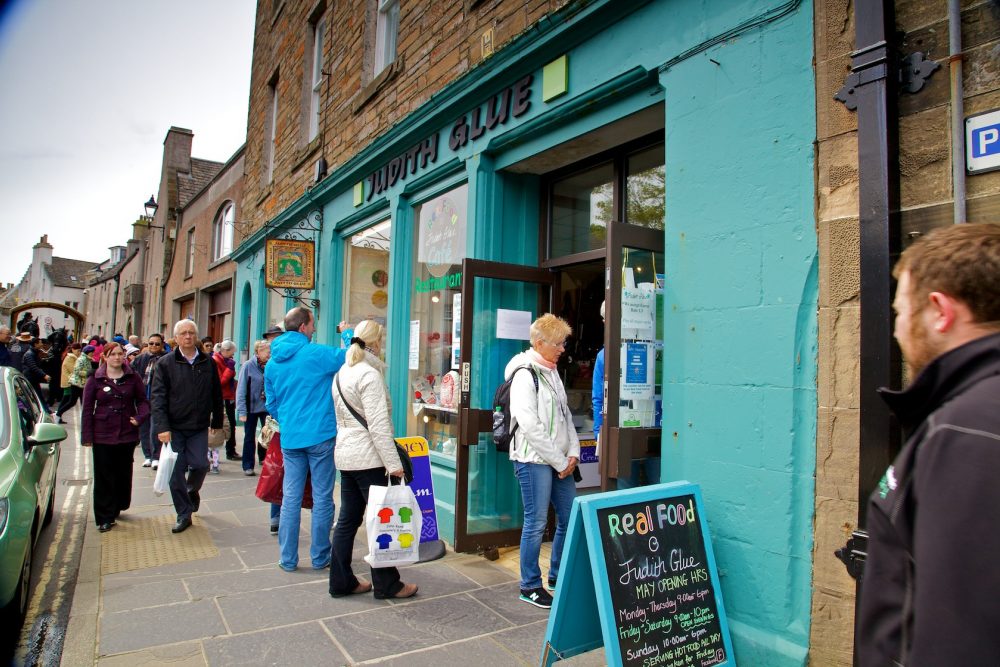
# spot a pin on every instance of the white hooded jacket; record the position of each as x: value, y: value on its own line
x: 364, y: 388
x: 545, y: 431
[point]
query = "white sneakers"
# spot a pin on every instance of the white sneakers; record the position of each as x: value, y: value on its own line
x: 147, y: 463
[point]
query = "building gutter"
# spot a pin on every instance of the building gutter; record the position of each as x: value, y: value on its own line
x: 957, y: 109
x: 873, y: 87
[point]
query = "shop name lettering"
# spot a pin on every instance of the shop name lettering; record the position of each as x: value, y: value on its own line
x: 398, y: 167
x: 450, y: 281
x: 642, y: 521
x: 512, y: 102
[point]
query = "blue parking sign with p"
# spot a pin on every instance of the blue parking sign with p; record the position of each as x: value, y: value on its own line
x: 982, y: 139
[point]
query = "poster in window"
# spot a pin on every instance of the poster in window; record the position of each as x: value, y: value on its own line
x: 290, y: 264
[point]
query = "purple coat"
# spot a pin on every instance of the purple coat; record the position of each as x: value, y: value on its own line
x: 108, y: 404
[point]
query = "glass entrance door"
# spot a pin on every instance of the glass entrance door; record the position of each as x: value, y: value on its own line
x: 633, y: 358
x: 498, y: 304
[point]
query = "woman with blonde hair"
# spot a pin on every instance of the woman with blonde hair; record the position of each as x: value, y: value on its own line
x: 365, y: 455
x: 545, y: 450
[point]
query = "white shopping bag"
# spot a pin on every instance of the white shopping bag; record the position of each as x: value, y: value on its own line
x: 165, y: 469
x: 393, y: 521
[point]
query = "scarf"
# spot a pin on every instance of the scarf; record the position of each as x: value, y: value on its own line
x: 540, y: 360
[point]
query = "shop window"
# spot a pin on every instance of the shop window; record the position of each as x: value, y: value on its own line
x: 386, y: 32
x: 582, y: 207
x: 644, y: 203
x: 222, y: 232
x: 366, y: 291
x: 275, y: 309
x: 435, y: 320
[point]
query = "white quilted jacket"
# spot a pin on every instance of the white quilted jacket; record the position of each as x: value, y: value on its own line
x: 364, y: 388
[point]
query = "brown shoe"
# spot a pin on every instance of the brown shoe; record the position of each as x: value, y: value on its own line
x: 407, y: 591
x: 362, y: 587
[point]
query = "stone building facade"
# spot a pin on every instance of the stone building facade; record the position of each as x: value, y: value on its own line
x: 198, y: 281
x: 923, y: 165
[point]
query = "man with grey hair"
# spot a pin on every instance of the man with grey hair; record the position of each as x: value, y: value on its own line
x: 297, y: 386
x: 187, y: 403
x: 4, y: 341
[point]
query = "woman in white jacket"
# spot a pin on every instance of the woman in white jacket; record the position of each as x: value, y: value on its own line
x: 545, y: 450
x: 364, y: 456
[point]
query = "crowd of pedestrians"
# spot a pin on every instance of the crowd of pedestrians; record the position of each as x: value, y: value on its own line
x: 179, y: 393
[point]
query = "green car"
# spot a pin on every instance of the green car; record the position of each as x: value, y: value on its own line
x: 28, y: 462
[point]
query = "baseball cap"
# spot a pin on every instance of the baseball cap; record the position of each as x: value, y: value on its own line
x: 130, y: 349
x: 274, y: 331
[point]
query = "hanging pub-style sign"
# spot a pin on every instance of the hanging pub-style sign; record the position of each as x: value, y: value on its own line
x: 290, y: 264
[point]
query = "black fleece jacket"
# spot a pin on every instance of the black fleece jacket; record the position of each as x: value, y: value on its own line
x: 932, y: 575
x: 186, y: 397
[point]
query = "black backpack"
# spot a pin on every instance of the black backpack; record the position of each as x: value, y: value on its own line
x: 503, y: 434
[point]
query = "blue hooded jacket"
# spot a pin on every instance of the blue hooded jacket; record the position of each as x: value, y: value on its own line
x: 297, y: 382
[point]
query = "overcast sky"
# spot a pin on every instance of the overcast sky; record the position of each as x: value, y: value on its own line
x: 89, y: 91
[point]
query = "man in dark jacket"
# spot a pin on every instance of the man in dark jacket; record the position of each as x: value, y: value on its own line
x: 18, y: 348
x: 28, y: 324
x: 187, y: 402
x: 931, y: 578
x: 144, y: 365
x: 33, y: 367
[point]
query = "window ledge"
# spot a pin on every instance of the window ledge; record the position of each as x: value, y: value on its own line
x: 377, y: 84
x: 306, y: 152
x: 219, y: 262
x: 264, y: 195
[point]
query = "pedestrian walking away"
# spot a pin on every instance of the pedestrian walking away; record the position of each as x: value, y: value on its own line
x: 545, y: 450
x: 187, y: 402
x: 931, y: 574
x: 251, y: 406
x: 297, y: 383
x: 365, y: 455
x: 72, y: 388
x: 114, y: 406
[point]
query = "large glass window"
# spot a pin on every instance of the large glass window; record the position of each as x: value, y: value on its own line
x: 582, y: 207
x: 644, y: 203
x: 366, y: 290
x: 275, y: 309
x: 435, y: 309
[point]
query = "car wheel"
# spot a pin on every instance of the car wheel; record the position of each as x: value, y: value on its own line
x: 13, y: 613
x: 52, y: 506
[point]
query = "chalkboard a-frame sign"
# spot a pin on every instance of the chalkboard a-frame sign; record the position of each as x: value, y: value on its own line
x: 638, y: 577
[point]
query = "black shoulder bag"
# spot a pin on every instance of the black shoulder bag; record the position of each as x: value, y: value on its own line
x: 404, y: 456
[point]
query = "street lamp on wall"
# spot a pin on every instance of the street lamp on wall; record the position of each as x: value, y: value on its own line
x: 151, y: 207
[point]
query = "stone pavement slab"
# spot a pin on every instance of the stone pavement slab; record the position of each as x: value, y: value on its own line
x: 238, y: 608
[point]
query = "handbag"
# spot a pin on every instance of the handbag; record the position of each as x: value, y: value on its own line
x: 272, y: 477
x: 393, y: 521
x: 219, y: 436
x: 404, y: 456
x: 166, y: 468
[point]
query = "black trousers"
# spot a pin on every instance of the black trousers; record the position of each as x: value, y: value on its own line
x: 353, y: 500
x: 112, y: 480
x: 69, y: 399
x: 231, y: 415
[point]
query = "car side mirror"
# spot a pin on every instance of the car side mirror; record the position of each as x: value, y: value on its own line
x: 46, y: 434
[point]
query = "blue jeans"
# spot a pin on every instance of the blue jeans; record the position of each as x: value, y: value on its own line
x: 540, y: 485
x: 250, y: 437
x: 316, y: 461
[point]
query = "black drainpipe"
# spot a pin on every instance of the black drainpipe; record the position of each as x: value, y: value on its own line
x: 872, y: 89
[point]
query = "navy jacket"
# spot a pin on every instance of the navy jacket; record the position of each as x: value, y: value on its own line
x: 186, y: 397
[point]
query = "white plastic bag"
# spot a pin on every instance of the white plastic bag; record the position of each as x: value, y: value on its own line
x: 393, y: 521
x: 166, y: 468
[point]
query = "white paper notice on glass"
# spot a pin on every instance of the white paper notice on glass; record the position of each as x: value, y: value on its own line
x: 637, y: 311
x: 414, y: 345
x: 513, y: 324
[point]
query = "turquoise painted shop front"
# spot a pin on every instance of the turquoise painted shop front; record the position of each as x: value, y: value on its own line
x: 733, y: 85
